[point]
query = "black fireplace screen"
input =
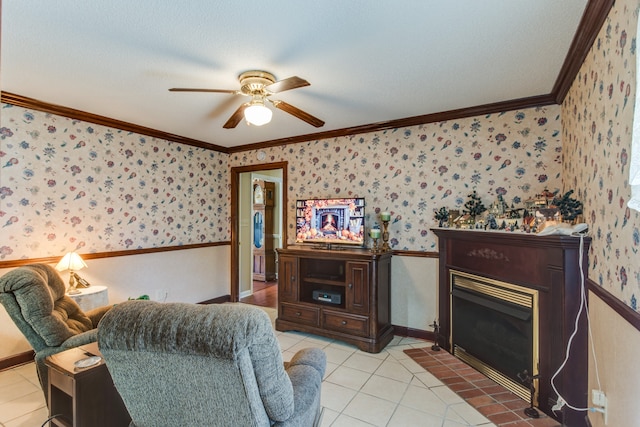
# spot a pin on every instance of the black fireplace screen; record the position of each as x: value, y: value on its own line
x: 496, y: 332
x: 494, y: 325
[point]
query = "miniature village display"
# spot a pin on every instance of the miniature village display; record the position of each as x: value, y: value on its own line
x: 543, y: 210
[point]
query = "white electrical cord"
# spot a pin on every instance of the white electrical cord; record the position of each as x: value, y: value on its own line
x: 583, y: 302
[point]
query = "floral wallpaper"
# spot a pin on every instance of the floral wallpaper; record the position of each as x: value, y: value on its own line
x: 597, y: 121
x: 412, y: 171
x: 70, y: 185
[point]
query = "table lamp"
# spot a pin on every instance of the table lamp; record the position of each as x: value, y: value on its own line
x: 72, y: 262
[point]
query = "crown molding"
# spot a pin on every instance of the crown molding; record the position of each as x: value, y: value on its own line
x: 594, y: 16
x: 497, y: 107
x: 34, y: 104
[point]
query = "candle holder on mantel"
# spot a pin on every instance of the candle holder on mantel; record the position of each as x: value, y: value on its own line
x: 385, y: 217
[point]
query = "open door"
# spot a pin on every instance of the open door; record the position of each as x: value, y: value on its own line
x: 242, y: 218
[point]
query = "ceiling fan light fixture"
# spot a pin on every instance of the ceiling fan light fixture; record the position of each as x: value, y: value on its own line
x: 257, y: 113
x: 260, y: 85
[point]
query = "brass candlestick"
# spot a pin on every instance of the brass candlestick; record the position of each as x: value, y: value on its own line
x: 385, y: 236
x: 374, y: 233
x: 375, y: 248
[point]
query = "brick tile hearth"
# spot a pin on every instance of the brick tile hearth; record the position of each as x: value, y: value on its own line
x: 499, y: 405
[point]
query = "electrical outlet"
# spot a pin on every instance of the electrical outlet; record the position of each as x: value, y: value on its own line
x: 600, y: 403
x: 598, y: 398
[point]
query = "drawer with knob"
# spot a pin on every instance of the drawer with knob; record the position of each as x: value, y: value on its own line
x: 300, y: 314
x: 352, y: 324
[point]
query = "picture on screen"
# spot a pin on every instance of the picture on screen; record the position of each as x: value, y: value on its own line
x: 330, y: 221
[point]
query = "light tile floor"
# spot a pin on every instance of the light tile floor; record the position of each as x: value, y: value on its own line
x: 21, y: 399
x: 359, y: 389
x: 387, y: 389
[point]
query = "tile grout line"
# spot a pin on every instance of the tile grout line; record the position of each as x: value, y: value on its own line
x: 389, y: 358
x: 431, y: 362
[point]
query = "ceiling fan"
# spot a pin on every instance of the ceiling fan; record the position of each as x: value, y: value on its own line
x: 260, y: 85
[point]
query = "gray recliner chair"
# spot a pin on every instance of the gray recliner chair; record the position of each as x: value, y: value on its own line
x: 34, y: 297
x: 207, y: 365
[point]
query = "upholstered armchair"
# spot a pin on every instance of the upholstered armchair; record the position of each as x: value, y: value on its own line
x: 34, y: 297
x: 207, y: 365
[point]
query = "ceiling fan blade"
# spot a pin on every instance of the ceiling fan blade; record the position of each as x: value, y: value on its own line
x: 185, y: 89
x: 287, y: 84
x: 236, y: 117
x: 222, y: 108
x: 294, y: 111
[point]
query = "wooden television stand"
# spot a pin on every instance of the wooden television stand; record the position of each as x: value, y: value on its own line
x: 341, y: 293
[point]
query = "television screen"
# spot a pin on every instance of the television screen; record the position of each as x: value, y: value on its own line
x: 330, y: 221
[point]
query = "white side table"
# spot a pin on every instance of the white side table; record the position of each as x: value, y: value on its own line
x: 91, y: 297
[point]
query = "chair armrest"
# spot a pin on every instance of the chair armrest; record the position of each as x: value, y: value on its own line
x: 306, y: 381
x: 313, y: 357
x: 74, y: 341
x: 96, y: 314
x: 80, y: 339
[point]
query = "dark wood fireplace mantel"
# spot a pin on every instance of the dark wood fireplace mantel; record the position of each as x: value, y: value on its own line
x: 549, y: 264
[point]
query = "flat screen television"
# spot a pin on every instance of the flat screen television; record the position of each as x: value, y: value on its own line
x: 330, y: 221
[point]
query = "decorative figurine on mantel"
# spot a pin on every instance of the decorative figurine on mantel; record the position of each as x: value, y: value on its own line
x: 541, y: 200
x: 491, y: 223
x: 474, y: 206
x: 454, y: 214
x: 442, y: 216
x: 499, y: 208
x: 569, y: 208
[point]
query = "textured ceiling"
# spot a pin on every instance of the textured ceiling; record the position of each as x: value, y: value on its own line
x: 367, y: 62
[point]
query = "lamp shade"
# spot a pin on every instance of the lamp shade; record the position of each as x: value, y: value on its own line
x: 257, y: 114
x: 71, y: 261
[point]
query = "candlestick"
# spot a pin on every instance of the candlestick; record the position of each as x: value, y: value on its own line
x: 385, y: 216
x: 385, y: 235
x: 375, y: 248
x: 374, y: 233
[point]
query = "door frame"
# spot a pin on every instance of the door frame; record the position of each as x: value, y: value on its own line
x: 235, y: 219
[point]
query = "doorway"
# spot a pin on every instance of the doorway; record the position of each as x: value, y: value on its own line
x: 241, y: 224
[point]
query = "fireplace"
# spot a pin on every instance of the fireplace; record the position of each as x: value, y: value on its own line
x: 544, y: 271
x: 494, y: 328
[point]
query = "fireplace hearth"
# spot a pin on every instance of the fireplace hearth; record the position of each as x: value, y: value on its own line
x: 542, y: 269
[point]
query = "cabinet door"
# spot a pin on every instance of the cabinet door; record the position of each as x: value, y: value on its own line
x: 357, y: 292
x: 288, y: 278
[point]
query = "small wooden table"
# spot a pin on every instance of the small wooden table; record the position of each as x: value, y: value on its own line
x: 83, y: 396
